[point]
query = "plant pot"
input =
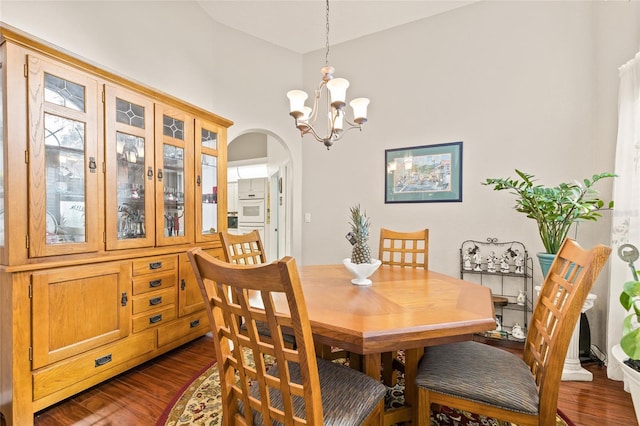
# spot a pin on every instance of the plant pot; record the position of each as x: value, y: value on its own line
x: 545, y: 259
x: 362, y: 271
x: 631, y: 378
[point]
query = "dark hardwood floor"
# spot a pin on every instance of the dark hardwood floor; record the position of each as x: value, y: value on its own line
x: 139, y: 396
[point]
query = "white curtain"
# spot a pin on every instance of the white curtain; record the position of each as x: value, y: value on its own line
x: 626, y: 195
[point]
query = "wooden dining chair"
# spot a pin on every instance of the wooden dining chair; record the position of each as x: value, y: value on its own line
x: 408, y: 250
x: 298, y: 389
x: 487, y: 380
x: 243, y: 249
x: 247, y: 249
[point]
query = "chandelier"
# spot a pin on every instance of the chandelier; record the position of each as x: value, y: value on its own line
x: 335, y: 93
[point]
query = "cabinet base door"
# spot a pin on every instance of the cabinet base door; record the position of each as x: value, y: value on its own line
x: 79, y: 308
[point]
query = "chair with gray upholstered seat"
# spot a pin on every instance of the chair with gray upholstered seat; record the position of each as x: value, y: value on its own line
x: 487, y: 380
x: 299, y: 388
x: 406, y: 250
x: 247, y: 249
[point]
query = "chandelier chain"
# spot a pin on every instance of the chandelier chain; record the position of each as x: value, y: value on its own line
x: 334, y: 91
x: 326, y: 54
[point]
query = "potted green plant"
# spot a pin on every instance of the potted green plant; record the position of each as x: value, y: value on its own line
x: 554, y: 208
x: 630, y: 301
x: 629, y: 345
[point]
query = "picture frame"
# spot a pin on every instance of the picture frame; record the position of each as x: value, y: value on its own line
x: 424, y: 174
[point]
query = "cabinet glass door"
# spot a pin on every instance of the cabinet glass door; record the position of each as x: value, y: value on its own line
x: 130, y: 175
x: 173, y: 159
x: 174, y: 176
x: 63, y: 160
x: 210, y: 203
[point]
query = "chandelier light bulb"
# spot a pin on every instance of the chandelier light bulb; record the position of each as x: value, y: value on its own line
x: 337, y: 118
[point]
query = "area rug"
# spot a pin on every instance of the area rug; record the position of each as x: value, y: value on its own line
x: 199, y: 403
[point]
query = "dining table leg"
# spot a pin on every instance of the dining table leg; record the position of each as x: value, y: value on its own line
x: 372, y: 364
x: 411, y: 359
x: 408, y: 413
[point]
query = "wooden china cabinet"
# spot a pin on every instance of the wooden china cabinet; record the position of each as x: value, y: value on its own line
x: 104, y: 185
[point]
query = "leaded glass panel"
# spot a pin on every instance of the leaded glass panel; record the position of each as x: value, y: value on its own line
x: 172, y: 127
x: 209, y: 139
x: 63, y: 92
x: 129, y: 113
x: 63, y: 132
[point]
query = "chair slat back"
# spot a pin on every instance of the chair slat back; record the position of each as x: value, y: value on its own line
x: 245, y: 249
x: 251, y: 291
x: 555, y: 315
x: 406, y: 249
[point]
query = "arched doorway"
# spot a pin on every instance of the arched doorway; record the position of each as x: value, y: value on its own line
x: 261, y: 155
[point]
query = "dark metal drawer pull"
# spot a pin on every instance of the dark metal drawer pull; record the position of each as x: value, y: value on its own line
x: 194, y: 323
x: 155, y: 283
x: 154, y: 319
x: 103, y: 360
x: 155, y: 301
x: 155, y: 265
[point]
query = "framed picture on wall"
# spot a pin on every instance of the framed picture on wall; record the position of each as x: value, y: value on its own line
x: 424, y: 174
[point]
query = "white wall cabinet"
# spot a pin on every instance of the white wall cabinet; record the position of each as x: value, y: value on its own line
x: 232, y: 196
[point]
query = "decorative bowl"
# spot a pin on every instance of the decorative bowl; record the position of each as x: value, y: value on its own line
x: 361, y: 271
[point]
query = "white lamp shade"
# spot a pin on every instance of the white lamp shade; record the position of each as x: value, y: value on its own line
x: 338, y: 90
x: 306, y: 114
x: 296, y: 100
x: 302, y: 122
x: 359, y: 106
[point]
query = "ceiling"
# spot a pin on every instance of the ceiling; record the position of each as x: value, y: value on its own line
x: 299, y: 25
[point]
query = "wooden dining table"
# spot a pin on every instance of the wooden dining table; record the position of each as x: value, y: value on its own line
x: 403, y: 309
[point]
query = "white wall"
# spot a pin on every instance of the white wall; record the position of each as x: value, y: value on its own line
x: 527, y: 85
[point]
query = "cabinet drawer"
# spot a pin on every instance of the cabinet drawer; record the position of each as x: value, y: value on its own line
x: 193, y: 325
x: 146, y: 283
x: 150, y: 265
x: 154, y: 300
x: 66, y: 373
x: 153, y: 319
